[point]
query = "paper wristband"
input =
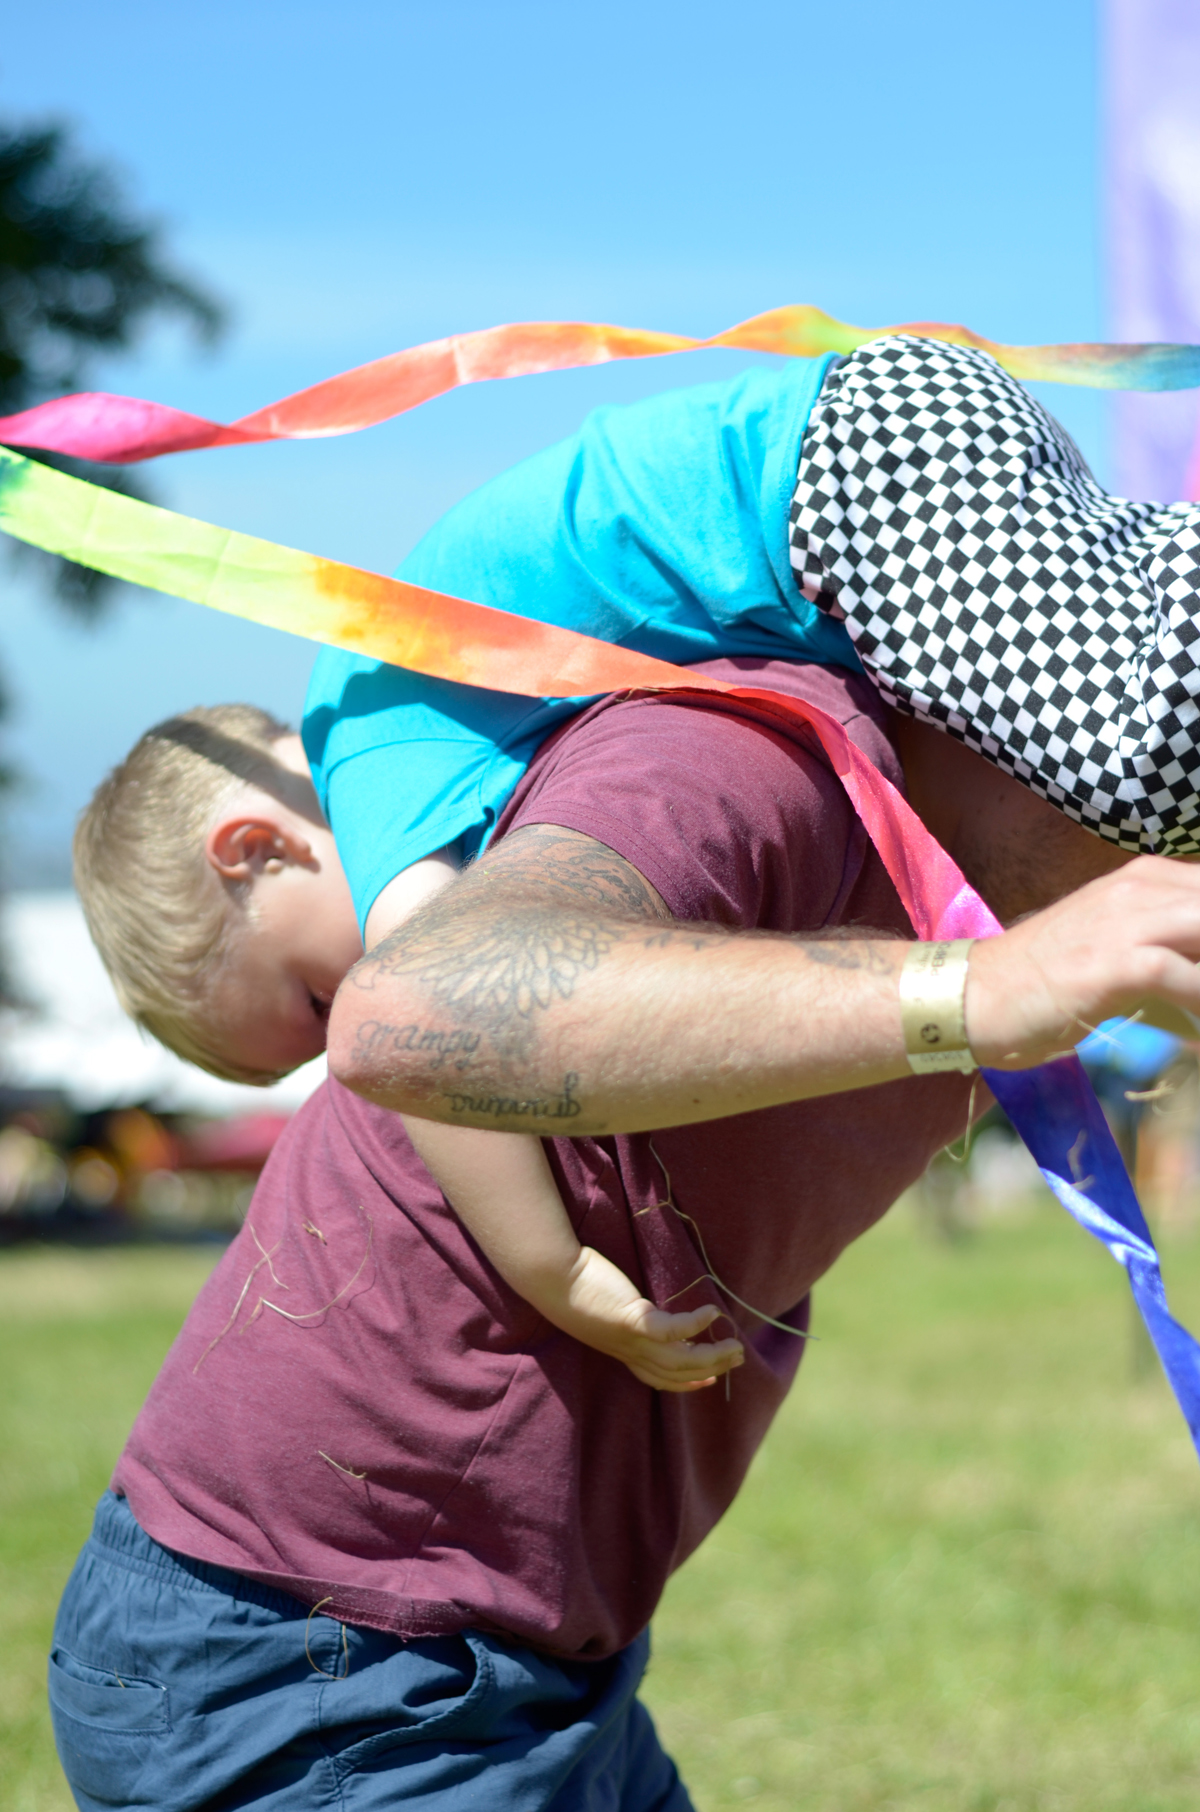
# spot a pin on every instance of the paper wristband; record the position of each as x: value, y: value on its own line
x: 122, y: 429
x: 933, y: 984
x: 1053, y: 1107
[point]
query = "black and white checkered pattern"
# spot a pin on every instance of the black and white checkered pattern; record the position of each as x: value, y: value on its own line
x: 993, y: 589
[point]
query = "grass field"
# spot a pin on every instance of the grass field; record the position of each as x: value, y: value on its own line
x: 964, y: 1575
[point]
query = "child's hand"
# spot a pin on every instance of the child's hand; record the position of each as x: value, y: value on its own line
x: 604, y: 1310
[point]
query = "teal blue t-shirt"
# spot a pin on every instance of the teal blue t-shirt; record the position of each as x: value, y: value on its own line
x: 661, y: 526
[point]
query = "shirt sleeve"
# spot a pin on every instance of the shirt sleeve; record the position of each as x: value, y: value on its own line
x: 404, y: 764
x: 732, y: 820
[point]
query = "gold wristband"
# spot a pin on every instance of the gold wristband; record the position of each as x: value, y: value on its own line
x: 933, y: 987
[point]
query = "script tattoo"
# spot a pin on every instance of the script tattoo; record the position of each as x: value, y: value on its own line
x: 457, y: 1003
x: 375, y: 1038
x: 563, y: 1106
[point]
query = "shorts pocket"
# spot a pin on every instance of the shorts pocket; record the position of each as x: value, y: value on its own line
x: 416, y: 1714
x: 108, y: 1701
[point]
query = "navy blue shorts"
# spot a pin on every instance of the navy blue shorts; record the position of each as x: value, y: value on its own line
x: 175, y: 1685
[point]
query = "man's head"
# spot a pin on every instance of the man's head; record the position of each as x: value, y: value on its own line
x: 213, y: 891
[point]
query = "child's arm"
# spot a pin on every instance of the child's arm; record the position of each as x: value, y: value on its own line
x: 502, y: 1189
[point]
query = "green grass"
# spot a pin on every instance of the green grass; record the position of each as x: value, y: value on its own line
x: 965, y: 1572
x: 81, y: 1337
x: 964, y: 1575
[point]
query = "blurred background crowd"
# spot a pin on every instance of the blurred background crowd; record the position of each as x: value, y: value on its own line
x: 103, y: 1134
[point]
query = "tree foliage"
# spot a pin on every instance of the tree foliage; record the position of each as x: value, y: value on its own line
x: 80, y: 275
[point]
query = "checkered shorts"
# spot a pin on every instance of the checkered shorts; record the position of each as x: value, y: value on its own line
x: 993, y: 589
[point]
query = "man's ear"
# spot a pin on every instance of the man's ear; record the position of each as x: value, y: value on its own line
x: 243, y: 844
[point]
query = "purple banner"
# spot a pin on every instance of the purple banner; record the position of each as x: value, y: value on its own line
x: 1152, y: 132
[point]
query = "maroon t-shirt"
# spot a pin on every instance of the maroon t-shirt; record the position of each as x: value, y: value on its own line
x: 358, y: 1410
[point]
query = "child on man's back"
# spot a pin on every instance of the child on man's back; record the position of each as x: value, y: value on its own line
x: 214, y: 892
x: 211, y: 880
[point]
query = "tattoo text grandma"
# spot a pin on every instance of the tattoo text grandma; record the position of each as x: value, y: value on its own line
x: 512, y: 1107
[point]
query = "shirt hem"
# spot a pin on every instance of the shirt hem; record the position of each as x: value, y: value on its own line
x: 391, y: 1613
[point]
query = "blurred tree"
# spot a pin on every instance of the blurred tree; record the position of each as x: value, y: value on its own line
x: 79, y: 275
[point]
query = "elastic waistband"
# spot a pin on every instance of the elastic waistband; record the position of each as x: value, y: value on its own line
x: 117, y: 1531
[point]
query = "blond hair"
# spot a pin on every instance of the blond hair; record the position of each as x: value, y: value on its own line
x: 158, y: 913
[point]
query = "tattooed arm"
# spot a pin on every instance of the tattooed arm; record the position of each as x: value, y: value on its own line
x: 548, y: 990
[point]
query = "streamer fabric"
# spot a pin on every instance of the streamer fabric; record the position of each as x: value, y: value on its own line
x: 1052, y: 1107
x: 123, y: 430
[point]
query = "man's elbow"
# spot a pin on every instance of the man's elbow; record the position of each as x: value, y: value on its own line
x: 375, y: 1052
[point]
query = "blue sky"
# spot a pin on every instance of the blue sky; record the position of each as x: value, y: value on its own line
x: 353, y: 179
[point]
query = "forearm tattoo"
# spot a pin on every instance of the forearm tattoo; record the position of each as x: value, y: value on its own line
x: 486, y: 959
x: 491, y: 954
x: 519, y: 928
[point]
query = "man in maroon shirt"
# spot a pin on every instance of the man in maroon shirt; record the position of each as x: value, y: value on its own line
x: 382, y: 1536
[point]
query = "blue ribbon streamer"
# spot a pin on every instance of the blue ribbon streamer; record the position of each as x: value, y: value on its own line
x: 1055, y: 1110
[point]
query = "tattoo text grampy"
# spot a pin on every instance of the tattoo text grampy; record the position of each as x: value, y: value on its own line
x: 375, y: 1038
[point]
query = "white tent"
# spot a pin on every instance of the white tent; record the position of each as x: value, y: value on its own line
x: 70, y: 1034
